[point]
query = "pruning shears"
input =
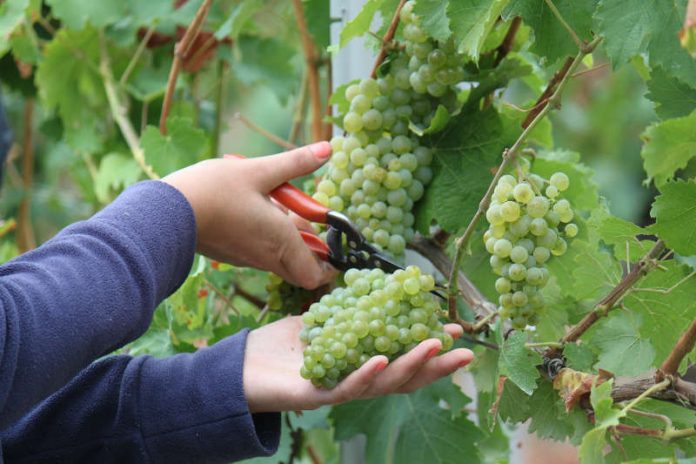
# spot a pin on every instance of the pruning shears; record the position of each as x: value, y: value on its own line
x: 360, y: 254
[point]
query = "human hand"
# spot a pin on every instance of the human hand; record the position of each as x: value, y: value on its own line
x: 273, y: 359
x: 238, y: 223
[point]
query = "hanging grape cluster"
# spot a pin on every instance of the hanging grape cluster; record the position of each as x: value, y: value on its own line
x: 379, y: 169
x: 377, y: 313
x: 527, y: 228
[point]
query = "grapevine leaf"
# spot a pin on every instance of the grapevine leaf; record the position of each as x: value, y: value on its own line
x: 238, y: 18
x: 69, y: 83
x: 434, y: 19
x: 553, y: 319
x: 149, y: 83
x: 628, y: 26
x: 578, y: 357
x: 603, y: 405
x: 633, y: 27
x: 596, y: 272
x: 360, y: 25
x: 673, y: 98
x: 518, y: 363
x: 666, y: 310
x: 616, y: 233
x: 267, y: 62
x: 622, y: 350
x: 549, y: 417
x: 668, y: 147
x: 484, y: 368
x: 674, y: 211
x: 514, y: 404
x: 551, y: 38
x: 471, y: 22
x: 11, y: 16
x: 592, y: 447
x: 115, y: 172
x: 438, y: 123
x: 183, y: 145
x: 75, y: 14
x: 412, y: 428
x: 465, y: 154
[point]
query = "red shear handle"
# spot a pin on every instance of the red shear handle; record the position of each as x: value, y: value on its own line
x: 296, y: 200
x: 315, y: 244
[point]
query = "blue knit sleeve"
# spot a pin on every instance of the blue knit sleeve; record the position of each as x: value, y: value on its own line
x: 90, y: 289
x: 189, y: 408
x: 79, y: 296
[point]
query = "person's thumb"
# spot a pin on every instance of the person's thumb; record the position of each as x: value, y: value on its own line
x: 271, y: 171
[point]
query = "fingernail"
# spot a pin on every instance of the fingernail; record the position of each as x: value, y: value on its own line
x: 380, y: 367
x: 463, y: 363
x: 431, y: 354
x: 322, y: 150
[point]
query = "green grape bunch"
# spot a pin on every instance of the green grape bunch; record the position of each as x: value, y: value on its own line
x: 376, y: 313
x: 530, y: 223
x: 287, y: 298
x: 379, y: 169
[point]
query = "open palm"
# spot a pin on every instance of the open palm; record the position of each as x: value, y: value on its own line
x: 273, y: 358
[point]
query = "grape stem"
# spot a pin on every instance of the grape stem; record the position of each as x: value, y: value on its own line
x: 181, y: 50
x: 120, y: 113
x: 681, y: 349
x: 613, y: 298
x: 261, y: 131
x: 386, y: 40
x: 431, y: 249
x: 508, y: 155
x: 565, y: 24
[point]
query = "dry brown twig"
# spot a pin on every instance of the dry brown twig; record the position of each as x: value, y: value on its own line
x: 181, y: 50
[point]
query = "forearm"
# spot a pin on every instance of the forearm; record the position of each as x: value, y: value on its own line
x: 90, y: 289
x: 187, y: 408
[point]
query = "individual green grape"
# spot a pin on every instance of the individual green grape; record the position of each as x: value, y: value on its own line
x: 352, y: 122
x: 523, y: 193
x: 560, y: 181
x: 502, y: 248
x: 571, y: 230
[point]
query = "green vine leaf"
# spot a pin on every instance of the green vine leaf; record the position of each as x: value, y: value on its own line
x: 673, y: 98
x: 410, y: 428
x: 471, y: 22
x: 434, y: 18
x: 633, y: 27
x: 116, y: 172
x: 551, y: 39
x: 75, y: 14
x: 183, y: 145
x: 360, y: 25
x: 622, y: 349
x: 518, y: 363
x: 466, y: 153
x: 668, y: 147
x: 674, y: 211
x: 666, y: 308
x: 11, y: 16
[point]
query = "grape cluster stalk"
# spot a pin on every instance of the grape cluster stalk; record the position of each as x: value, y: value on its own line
x: 380, y: 169
x: 529, y: 224
x: 376, y: 313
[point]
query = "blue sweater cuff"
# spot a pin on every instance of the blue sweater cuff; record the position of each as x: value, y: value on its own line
x: 205, y: 412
